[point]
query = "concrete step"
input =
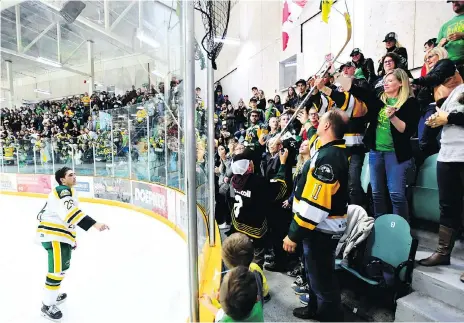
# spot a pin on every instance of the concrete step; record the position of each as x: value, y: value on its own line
x: 440, y: 282
x: 417, y: 307
x: 428, y: 242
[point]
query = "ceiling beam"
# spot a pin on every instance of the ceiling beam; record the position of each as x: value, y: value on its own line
x: 18, y: 29
x: 91, y: 25
x: 48, y: 36
x: 73, y: 52
x: 36, y: 39
x: 122, y: 15
x: 165, y: 5
x: 106, y: 8
x: 58, y: 41
x: 34, y: 59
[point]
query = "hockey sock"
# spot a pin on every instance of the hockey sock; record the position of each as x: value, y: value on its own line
x: 52, y: 287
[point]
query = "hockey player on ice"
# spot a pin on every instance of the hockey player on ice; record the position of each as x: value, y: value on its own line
x: 56, y: 232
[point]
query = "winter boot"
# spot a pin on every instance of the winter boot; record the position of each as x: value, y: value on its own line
x: 446, y: 239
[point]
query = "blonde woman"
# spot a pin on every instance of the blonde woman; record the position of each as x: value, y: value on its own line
x: 441, y: 76
x: 441, y: 79
x: 392, y: 121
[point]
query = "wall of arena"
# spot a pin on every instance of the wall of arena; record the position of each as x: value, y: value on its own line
x: 256, y: 61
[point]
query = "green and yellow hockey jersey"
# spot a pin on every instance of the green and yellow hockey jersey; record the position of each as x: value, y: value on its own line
x: 321, y: 195
x: 60, y: 216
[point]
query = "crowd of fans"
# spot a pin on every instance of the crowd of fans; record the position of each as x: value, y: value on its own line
x: 383, y: 110
x: 86, y: 129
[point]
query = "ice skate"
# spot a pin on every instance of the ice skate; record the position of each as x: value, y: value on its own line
x: 61, y: 298
x: 52, y: 312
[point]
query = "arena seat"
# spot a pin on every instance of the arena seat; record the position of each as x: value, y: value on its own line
x: 425, y: 202
x: 392, y: 243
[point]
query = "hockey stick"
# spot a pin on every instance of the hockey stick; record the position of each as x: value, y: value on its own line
x: 324, y: 70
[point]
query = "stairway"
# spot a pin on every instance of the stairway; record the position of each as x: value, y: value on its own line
x: 438, y: 294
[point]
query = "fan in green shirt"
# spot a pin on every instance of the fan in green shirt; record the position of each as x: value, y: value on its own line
x: 452, y: 34
x: 383, y: 136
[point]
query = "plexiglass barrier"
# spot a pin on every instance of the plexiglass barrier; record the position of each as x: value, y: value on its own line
x: 137, y: 142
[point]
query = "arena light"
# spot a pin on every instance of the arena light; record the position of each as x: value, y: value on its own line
x: 143, y: 37
x: 41, y: 91
x: 48, y: 62
x: 227, y: 40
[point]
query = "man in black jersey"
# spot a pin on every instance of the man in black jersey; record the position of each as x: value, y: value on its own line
x: 253, y: 194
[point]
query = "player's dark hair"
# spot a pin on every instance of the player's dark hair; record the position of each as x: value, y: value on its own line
x: 237, y: 250
x: 254, y: 88
x: 238, y: 293
x: 61, y: 173
x: 338, y: 123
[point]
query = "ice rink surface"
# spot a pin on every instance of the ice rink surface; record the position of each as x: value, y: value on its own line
x: 136, y: 272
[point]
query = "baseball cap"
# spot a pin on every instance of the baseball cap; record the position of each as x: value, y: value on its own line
x: 300, y: 81
x: 355, y: 51
x: 390, y: 36
x: 347, y: 64
x: 241, y: 162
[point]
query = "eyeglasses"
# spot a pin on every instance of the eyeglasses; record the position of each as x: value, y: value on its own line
x: 388, y: 61
x: 312, y: 114
x: 429, y: 57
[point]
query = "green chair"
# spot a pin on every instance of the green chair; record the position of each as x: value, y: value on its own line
x: 391, y: 242
x: 425, y: 203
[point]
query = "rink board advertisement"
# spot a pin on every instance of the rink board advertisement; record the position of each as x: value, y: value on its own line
x: 181, y: 212
x: 150, y: 197
x: 8, y: 182
x: 115, y: 189
x: 34, y: 183
x: 84, y: 186
x: 171, y: 202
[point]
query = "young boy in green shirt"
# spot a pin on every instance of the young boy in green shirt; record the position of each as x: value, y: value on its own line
x: 238, y: 297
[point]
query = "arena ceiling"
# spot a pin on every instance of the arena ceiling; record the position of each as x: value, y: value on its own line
x: 33, y: 29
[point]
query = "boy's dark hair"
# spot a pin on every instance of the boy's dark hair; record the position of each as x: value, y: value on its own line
x: 61, y: 173
x: 238, y: 293
x: 237, y: 250
x: 254, y: 88
x: 338, y: 123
